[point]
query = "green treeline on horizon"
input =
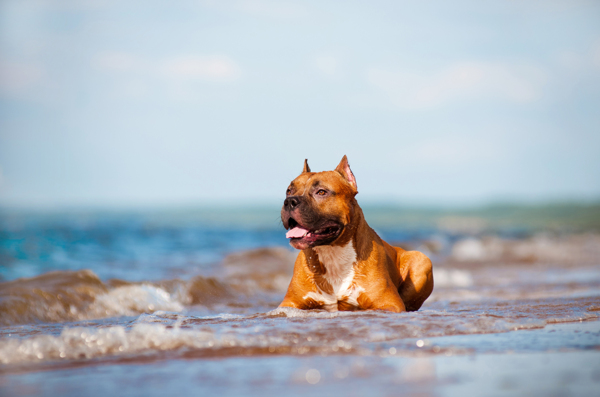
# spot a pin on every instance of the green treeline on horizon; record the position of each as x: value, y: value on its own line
x: 560, y: 217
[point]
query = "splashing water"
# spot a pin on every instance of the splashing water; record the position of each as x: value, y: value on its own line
x: 494, y: 303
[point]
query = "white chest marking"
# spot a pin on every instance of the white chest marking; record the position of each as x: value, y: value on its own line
x: 339, y: 264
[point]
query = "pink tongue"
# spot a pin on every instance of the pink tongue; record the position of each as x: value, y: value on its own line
x: 296, y: 232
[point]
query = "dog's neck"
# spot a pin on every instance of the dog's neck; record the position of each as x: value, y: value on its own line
x: 338, y: 261
x: 360, y: 234
x: 355, y: 243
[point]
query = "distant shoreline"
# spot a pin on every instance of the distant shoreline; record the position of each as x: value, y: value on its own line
x: 552, y: 216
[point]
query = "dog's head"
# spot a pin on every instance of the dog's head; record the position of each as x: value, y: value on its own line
x: 319, y: 206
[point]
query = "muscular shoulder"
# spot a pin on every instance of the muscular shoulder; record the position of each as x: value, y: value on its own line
x: 416, y: 260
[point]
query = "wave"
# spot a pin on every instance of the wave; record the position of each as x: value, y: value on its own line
x: 85, y: 342
x: 288, y: 331
x: 81, y: 295
x: 252, y: 281
x: 577, y: 249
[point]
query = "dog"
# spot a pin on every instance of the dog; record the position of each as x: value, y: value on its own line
x: 343, y: 263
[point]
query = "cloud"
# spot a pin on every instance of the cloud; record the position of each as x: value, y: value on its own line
x: 595, y: 54
x: 217, y: 68
x: 117, y: 62
x: 17, y: 78
x: 326, y: 64
x: 276, y: 9
x: 571, y: 60
x: 209, y: 68
x: 262, y: 8
x: 452, y: 151
x: 462, y: 81
x: 581, y: 61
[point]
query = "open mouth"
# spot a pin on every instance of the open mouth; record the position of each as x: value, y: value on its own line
x: 300, y: 235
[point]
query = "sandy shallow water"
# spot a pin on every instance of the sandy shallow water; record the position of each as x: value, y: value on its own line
x: 505, y: 318
x: 561, y: 359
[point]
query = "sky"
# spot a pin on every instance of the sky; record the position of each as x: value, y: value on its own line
x: 145, y: 103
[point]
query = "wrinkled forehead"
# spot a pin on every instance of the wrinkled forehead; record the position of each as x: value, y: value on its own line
x: 325, y: 179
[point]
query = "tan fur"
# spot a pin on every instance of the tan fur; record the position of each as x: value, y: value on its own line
x: 376, y: 276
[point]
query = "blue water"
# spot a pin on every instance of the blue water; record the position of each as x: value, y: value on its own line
x: 136, y: 247
x: 177, y: 324
x: 528, y: 373
x: 130, y: 249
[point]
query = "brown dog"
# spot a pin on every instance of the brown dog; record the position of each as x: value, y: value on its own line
x: 344, y: 264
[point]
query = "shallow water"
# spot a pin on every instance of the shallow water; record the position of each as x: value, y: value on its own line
x: 194, y: 308
x: 573, y: 372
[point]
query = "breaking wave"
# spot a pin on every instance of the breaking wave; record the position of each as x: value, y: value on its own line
x: 230, y: 312
x: 80, y: 295
x: 289, y: 331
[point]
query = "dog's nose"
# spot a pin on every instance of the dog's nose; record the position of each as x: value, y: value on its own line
x: 291, y: 202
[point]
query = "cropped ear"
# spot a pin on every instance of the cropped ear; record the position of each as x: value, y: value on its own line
x: 344, y: 169
x: 306, y: 167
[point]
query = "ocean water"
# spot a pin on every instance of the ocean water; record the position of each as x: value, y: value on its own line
x: 135, y: 304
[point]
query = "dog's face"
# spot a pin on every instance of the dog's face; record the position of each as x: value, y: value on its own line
x: 318, y: 206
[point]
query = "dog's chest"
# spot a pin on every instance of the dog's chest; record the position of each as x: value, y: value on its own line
x: 339, y: 274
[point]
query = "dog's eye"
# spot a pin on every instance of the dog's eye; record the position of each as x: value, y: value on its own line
x: 322, y: 192
x: 288, y: 191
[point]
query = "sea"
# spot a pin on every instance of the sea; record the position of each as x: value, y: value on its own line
x: 144, y: 303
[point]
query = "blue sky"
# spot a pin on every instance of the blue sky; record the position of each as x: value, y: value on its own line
x: 137, y: 103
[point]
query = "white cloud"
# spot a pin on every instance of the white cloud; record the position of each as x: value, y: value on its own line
x: 595, y: 54
x: 452, y: 151
x: 17, y: 78
x: 277, y: 9
x: 581, y: 62
x: 571, y: 60
x: 210, y: 68
x: 117, y: 61
x: 326, y: 64
x: 460, y: 81
x: 217, y: 68
x: 262, y: 8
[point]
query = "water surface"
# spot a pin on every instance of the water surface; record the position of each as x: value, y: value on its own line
x: 133, y: 306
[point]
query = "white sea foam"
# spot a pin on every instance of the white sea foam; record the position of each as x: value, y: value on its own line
x: 131, y: 300
x: 472, y: 249
x: 452, y: 278
x: 153, y: 333
x: 75, y: 343
x: 291, y: 312
x: 573, y: 249
x: 81, y: 295
x: 147, y: 338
